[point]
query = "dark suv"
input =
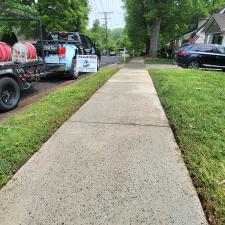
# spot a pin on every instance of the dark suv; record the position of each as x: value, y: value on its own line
x: 201, y: 56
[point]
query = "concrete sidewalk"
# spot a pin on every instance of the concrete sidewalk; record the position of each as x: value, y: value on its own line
x: 115, y: 162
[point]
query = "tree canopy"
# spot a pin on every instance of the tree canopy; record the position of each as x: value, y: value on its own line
x: 55, y: 15
x: 149, y: 21
x: 117, y: 38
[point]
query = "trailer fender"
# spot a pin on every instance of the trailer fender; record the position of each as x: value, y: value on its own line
x: 7, y: 73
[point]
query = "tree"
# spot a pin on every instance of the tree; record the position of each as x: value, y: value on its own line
x: 63, y: 14
x: 164, y: 19
x: 97, y: 34
x: 136, y: 24
x: 117, y: 38
x: 56, y: 15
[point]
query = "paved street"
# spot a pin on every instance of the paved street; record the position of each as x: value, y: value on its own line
x: 107, y: 60
x: 115, y: 162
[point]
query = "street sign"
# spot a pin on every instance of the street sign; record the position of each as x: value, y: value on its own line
x: 87, y: 63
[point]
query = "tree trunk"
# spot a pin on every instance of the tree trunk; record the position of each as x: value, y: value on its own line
x: 154, y: 38
x: 147, y: 45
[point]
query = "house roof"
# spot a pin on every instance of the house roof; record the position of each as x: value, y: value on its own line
x: 219, y: 19
x: 222, y: 9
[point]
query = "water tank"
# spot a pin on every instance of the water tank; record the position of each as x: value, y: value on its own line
x: 32, y: 53
x: 5, y: 52
x: 23, y: 52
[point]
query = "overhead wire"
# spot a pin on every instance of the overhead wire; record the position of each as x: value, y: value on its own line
x: 94, y: 10
x: 102, y: 6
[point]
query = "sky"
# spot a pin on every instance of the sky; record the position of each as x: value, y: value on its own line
x: 115, y: 6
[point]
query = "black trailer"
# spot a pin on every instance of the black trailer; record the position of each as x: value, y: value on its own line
x: 15, y: 76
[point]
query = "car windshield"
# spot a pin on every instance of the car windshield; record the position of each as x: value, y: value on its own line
x: 221, y: 50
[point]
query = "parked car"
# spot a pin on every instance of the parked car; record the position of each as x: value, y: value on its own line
x: 61, y: 49
x: 112, y: 53
x: 197, y: 56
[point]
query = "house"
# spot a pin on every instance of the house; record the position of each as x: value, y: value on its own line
x: 195, y: 36
x: 209, y: 31
x: 215, y: 30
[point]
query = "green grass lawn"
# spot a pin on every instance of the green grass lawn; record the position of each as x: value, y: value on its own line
x: 24, y: 133
x: 195, y: 105
x: 159, y: 61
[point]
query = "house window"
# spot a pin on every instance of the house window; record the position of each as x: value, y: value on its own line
x: 217, y: 39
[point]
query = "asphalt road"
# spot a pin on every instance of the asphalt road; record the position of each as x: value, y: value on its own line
x: 107, y: 60
x: 46, y: 85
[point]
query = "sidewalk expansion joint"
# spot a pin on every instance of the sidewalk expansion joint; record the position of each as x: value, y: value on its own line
x: 122, y: 94
x: 120, y: 124
x: 132, y: 82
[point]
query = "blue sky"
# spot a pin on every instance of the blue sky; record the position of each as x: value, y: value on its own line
x: 115, y: 6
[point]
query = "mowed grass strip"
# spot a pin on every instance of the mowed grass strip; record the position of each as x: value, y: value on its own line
x: 24, y: 133
x: 159, y: 61
x: 195, y: 105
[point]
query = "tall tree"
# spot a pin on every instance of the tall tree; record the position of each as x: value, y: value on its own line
x: 136, y: 23
x: 165, y: 17
x: 117, y: 37
x: 64, y: 14
x: 55, y: 14
x: 97, y: 34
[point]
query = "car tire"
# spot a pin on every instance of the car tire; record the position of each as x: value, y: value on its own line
x: 195, y: 65
x: 9, y: 94
x: 98, y: 63
x: 73, y: 73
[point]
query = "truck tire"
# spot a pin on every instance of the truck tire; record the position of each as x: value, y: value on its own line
x: 73, y: 73
x: 98, y: 63
x: 9, y: 94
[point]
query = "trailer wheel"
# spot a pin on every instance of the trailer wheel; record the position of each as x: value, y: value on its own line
x: 73, y: 73
x: 9, y: 94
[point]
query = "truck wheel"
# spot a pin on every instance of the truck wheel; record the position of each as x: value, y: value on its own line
x: 98, y: 63
x: 73, y: 73
x: 9, y: 94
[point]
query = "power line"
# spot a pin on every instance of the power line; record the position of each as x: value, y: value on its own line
x: 95, y: 6
x: 102, y: 5
x: 94, y: 10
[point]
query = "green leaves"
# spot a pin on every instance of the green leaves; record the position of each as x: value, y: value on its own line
x: 117, y: 37
x: 177, y: 17
x: 56, y: 15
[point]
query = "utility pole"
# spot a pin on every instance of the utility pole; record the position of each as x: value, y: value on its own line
x: 106, y: 18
